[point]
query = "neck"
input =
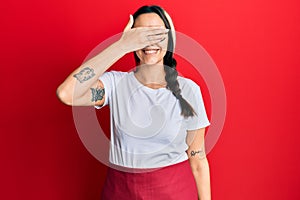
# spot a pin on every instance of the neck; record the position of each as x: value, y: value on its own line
x: 151, y: 74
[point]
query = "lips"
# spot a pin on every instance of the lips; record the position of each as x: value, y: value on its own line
x: 151, y: 51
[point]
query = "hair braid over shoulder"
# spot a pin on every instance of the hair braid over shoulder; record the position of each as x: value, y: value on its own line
x: 173, y: 85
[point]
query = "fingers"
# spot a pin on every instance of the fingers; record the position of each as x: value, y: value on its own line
x: 157, y: 37
x: 140, y: 37
x: 152, y: 30
x: 129, y: 24
x: 156, y: 31
x: 153, y: 34
x: 162, y: 43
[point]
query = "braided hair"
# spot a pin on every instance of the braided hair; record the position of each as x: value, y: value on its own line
x: 169, y: 62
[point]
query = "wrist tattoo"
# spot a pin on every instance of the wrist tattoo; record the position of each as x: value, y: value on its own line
x: 200, y: 152
x: 97, y: 94
x: 84, y: 75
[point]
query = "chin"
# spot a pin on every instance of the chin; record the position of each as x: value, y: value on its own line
x: 152, y: 62
x: 151, y: 56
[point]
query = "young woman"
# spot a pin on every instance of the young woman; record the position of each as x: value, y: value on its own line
x: 158, y: 118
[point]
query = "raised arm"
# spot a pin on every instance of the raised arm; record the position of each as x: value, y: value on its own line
x: 82, y: 86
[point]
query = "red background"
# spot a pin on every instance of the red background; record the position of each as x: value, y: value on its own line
x: 255, y: 45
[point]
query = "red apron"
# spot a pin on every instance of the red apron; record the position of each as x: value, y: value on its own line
x: 174, y: 182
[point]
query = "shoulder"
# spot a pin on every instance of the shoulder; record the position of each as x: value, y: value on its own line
x: 187, y: 84
x: 115, y: 73
x: 190, y: 90
x: 113, y: 76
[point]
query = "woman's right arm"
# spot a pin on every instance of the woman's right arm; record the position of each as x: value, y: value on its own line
x: 83, y: 87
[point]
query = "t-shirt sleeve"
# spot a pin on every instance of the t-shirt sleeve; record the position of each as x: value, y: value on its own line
x: 109, y: 80
x: 200, y: 119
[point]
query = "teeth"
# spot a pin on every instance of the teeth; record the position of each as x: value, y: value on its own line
x: 150, y: 51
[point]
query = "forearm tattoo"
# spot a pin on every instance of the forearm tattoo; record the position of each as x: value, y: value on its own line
x: 97, y: 94
x: 84, y: 75
x: 200, y: 153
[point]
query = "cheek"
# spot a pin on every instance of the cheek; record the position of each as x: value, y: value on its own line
x: 163, y: 52
x: 164, y: 44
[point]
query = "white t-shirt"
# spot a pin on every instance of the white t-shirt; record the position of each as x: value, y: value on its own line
x: 147, y: 128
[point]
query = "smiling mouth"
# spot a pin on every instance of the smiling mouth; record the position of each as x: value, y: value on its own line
x: 150, y: 51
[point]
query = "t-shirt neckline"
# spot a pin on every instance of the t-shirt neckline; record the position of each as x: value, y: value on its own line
x: 140, y: 85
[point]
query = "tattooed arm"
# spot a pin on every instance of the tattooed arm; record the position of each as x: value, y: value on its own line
x: 82, y: 87
x: 199, y: 163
